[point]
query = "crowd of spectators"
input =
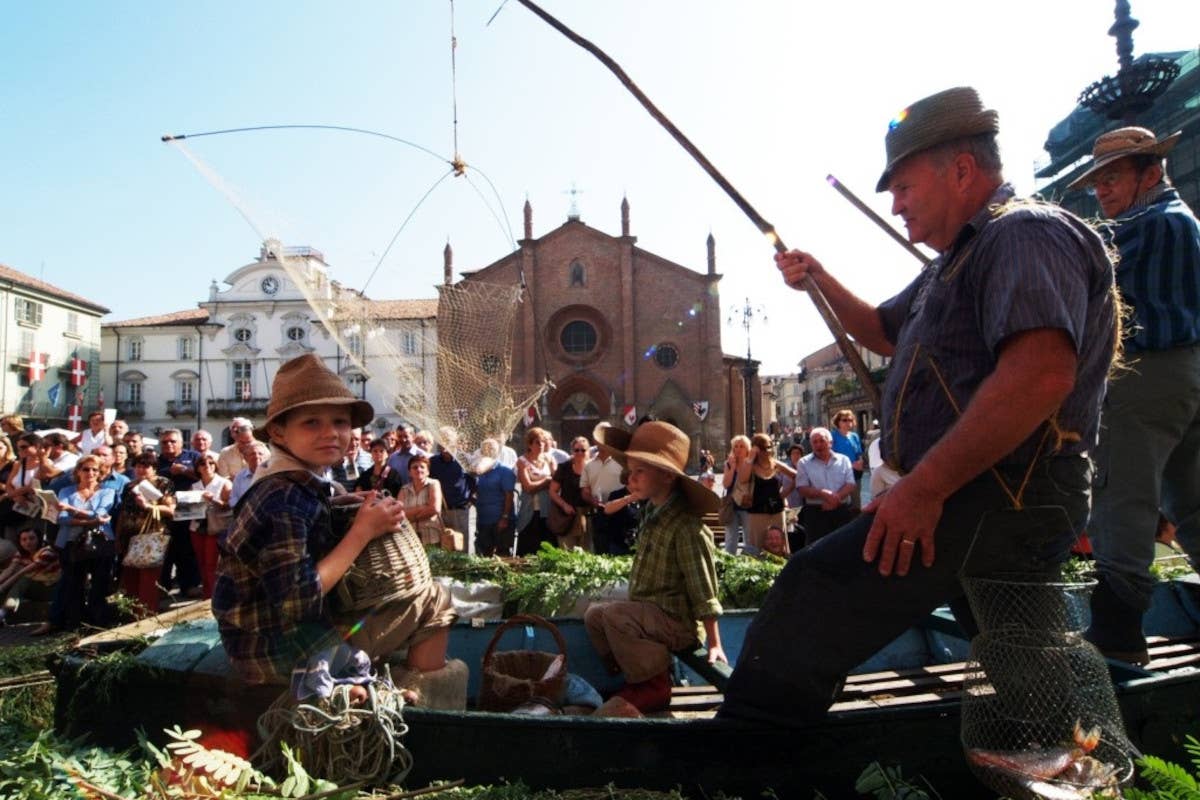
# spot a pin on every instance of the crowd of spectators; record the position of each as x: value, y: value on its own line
x: 108, y: 486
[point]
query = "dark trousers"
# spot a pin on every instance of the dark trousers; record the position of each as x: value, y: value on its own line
x: 86, y: 584
x: 608, y: 536
x: 530, y: 538
x: 492, y: 540
x: 829, y: 610
x: 181, y: 558
x: 819, y: 523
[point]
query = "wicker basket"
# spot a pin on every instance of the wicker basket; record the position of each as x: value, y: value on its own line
x: 513, y: 677
x: 391, y: 567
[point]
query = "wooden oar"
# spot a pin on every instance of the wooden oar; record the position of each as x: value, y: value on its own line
x: 823, y: 308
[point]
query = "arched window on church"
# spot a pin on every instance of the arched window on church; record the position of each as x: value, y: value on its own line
x: 580, y: 406
x: 578, y: 274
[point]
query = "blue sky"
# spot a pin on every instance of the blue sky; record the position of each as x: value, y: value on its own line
x: 776, y: 93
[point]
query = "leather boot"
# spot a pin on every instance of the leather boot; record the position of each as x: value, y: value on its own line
x: 1116, y: 628
x: 649, y: 696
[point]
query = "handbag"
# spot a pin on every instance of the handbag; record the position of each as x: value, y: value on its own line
x: 147, y: 547
x: 513, y: 677
x: 88, y: 546
x: 727, y: 511
x: 559, y: 521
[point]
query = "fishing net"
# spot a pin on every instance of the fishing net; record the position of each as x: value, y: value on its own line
x: 1039, y: 714
x: 1022, y: 601
x: 456, y: 373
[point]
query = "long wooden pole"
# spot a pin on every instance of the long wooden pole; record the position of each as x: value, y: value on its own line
x: 845, y: 192
x: 849, y: 350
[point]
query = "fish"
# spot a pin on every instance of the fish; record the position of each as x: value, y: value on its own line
x: 1036, y: 763
x: 1066, y: 772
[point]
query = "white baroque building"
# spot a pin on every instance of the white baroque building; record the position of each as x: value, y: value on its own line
x: 38, y: 317
x: 198, y: 368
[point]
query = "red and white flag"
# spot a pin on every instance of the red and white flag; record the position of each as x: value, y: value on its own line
x: 74, y: 416
x: 37, y: 366
x: 530, y: 416
x: 78, y: 372
x: 629, y: 414
x: 246, y: 391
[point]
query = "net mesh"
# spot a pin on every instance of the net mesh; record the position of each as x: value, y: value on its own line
x: 1039, y: 713
x: 457, y: 373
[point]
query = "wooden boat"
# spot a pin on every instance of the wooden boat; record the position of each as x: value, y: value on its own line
x: 901, y: 706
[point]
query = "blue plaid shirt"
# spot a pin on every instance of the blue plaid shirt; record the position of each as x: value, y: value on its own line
x: 1159, y: 271
x: 268, y: 600
x: 1015, y: 266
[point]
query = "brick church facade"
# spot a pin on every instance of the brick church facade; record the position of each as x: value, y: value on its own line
x: 613, y: 326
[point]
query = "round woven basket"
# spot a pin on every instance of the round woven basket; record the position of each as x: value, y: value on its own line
x: 391, y: 567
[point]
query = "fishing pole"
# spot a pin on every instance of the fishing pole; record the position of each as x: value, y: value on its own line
x: 845, y: 192
x: 847, y: 348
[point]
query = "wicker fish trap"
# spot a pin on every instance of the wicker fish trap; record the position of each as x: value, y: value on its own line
x: 391, y: 567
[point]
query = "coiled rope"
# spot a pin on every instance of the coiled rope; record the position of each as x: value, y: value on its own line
x: 338, y: 741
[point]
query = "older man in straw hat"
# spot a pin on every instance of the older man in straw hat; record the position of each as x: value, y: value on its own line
x: 673, y: 582
x: 1149, y: 453
x: 1000, y: 350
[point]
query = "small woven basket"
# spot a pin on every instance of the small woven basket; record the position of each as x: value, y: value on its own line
x: 513, y: 677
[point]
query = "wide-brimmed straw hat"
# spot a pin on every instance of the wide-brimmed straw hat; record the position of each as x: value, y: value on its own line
x: 937, y: 119
x: 1130, y: 141
x: 306, y: 381
x: 662, y: 445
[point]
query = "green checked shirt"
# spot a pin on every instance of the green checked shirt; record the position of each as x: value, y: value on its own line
x: 674, y: 567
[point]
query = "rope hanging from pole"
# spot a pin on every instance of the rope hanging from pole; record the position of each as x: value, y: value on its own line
x: 848, y: 348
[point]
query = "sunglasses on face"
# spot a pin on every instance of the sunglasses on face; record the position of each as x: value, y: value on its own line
x: 578, y: 450
x: 89, y: 469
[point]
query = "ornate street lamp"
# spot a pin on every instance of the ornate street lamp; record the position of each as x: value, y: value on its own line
x: 746, y: 317
x: 1135, y: 86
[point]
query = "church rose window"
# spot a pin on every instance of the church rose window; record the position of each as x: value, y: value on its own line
x: 666, y: 356
x: 578, y: 337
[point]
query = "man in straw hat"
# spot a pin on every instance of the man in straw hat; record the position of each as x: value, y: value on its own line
x: 1000, y: 351
x: 1149, y: 453
x: 282, y: 558
x: 673, y: 582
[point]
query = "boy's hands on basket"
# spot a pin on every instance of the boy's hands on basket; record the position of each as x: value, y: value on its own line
x: 378, y: 515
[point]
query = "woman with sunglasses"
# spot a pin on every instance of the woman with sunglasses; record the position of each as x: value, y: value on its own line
x: 86, y: 541
x: 208, y: 532
x: 23, y: 480
x: 567, y: 495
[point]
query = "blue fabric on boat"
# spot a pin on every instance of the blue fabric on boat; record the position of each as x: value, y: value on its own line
x: 328, y: 668
x: 578, y: 692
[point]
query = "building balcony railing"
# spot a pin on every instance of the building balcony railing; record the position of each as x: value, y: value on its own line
x: 182, y: 408
x: 130, y: 409
x: 237, y: 407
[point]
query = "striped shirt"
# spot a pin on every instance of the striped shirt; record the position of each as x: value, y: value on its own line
x: 1015, y: 266
x: 674, y: 567
x: 1159, y: 271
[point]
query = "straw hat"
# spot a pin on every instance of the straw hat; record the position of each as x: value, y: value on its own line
x: 306, y: 381
x: 934, y: 120
x: 1122, y: 142
x: 661, y: 445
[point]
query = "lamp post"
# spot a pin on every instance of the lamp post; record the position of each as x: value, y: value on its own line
x: 746, y: 317
x: 1135, y: 86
